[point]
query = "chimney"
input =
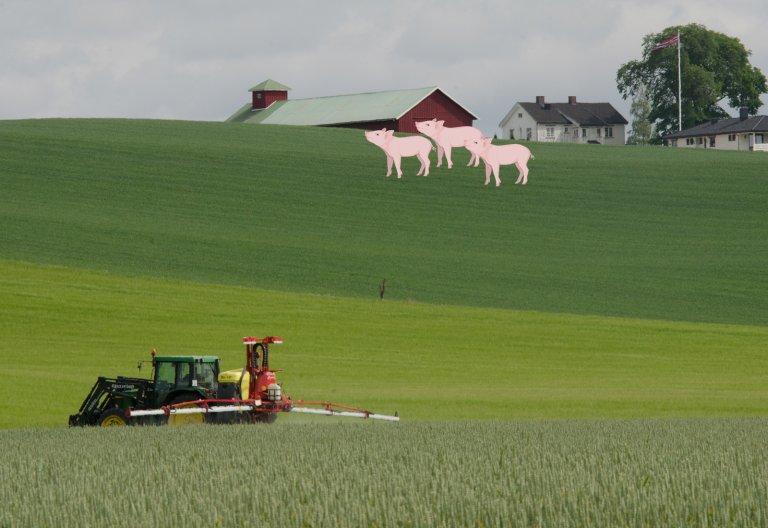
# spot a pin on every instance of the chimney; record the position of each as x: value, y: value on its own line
x: 540, y: 100
x: 743, y: 113
x: 571, y: 99
x: 266, y: 93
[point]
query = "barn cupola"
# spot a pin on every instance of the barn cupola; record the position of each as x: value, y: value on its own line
x: 266, y: 93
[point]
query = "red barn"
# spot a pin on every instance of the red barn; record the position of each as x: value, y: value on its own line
x: 394, y: 109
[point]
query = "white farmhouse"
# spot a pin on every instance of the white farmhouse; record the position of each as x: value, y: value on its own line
x: 736, y: 133
x: 570, y: 122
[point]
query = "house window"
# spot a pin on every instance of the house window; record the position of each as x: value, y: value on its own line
x: 731, y: 137
x: 598, y: 132
x: 528, y: 134
x: 608, y: 132
x: 550, y: 132
x: 520, y: 115
x: 565, y: 131
x: 711, y: 141
x: 699, y: 141
x: 576, y: 132
x: 511, y: 133
x: 758, y: 138
x: 583, y: 132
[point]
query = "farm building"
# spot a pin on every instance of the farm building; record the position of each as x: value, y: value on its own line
x: 395, y: 109
x: 736, y: 133
x: 570, y: 122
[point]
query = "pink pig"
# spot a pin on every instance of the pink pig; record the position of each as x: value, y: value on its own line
x: 449, y: 137
x: 399, y: 147
x: 496, y: 155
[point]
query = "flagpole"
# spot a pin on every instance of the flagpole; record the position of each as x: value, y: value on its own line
x: 679, y: 88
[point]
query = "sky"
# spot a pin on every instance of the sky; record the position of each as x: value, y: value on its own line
x: 196, y: 60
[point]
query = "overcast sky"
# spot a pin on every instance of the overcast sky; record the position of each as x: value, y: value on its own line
x: 196, y: 60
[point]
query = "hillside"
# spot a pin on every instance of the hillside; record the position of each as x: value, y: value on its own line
x: 620, y: 282
x: 649, y: 233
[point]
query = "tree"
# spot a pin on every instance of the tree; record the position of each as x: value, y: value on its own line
x: 640, y: 110
x: 714, y: 67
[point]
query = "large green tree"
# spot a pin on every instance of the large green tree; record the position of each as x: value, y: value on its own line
x: 714, y: 67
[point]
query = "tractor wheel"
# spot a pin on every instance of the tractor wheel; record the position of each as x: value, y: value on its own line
x: 265, y: 418
x: 113, y: 418
x: 185, y: 419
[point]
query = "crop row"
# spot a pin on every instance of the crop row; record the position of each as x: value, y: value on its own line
x: 706, y: 472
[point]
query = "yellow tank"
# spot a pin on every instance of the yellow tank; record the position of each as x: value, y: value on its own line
x: 228, y: 381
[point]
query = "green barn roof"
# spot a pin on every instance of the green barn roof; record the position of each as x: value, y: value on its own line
x: 270, y: 85
x: 336, y: 110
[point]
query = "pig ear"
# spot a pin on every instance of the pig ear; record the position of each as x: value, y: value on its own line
x: 389, y: 133
x: 441, y: 123
x: 486, y: 141
x: 434, y: 120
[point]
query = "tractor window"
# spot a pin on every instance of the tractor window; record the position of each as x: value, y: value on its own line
x: 184, y: 374
x: 166, y: 373
x: 205, y: 375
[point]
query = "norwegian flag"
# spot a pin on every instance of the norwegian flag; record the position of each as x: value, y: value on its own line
x: 666, y: 43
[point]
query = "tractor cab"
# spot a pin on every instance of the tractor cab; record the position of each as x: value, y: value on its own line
x: 177, y: 376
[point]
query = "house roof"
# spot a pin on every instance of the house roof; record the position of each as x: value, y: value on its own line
x: 270, y: 85
x: 338, y: 109
x: 731, y: 125
x: 582, y: 114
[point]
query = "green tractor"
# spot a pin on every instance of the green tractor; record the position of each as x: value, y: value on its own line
x: 175, y: 380
x: 191, y: 389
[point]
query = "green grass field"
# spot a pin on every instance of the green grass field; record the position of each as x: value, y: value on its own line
x: 620, y: 282
x: 428, y: 362
x: 646, y: 233
x: 587, y: 350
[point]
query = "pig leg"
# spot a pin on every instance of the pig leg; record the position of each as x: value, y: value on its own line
x: 448, y: 156
x: 424, y: 159
x: 522, y: 167
x: 396, y: 159
x: 496, y: 174
x: 472, y: 158
x: 439, y: 155
x: 389, y: 165
x: 487, y: 172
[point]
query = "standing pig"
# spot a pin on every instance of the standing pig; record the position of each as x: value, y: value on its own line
x: 496, y: 155
x: 449, y: 137
x: 399, y: 147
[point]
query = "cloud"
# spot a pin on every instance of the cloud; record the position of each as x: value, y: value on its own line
x: 194, y: 59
